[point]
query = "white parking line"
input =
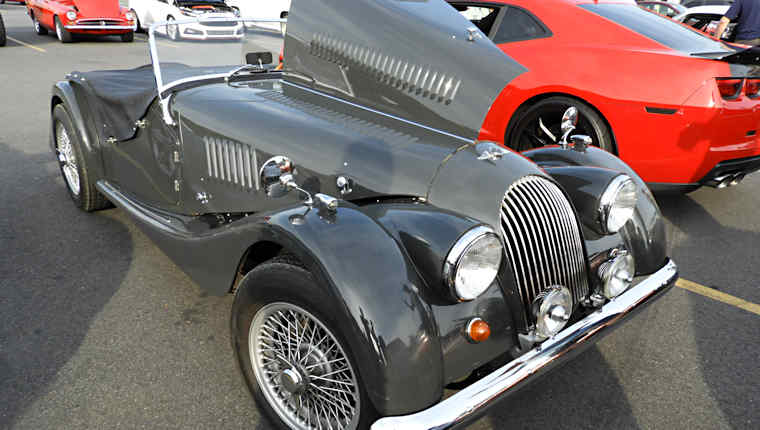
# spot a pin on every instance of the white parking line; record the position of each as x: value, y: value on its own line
x: 28, y: 45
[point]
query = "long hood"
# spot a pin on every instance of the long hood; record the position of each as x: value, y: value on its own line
x: 419, y: 60
x: 98, y: 8
x: 475, y: 187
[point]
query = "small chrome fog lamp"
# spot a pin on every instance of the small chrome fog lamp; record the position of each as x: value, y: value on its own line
x: 617, y: 274
x: 71, y: 15
x: 552, y: 309
x: 617, y: 203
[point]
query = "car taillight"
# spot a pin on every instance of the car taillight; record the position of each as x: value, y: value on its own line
x: 729, y: 87
x: 752, y: 88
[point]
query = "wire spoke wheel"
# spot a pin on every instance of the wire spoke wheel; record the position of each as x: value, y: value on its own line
x: 303, y: 371
x: 67, y: 158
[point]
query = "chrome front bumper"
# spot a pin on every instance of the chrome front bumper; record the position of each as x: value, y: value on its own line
x: 472, y: 402
x: 100, y: 27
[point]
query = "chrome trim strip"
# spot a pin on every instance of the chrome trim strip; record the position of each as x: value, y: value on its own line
x: 100, y: 27
x: 387, y: 115
x: 473, y: 401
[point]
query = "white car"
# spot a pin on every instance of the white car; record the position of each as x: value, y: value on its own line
x: 706, y: 18
x: 268, y: 9
x: 149, y: 12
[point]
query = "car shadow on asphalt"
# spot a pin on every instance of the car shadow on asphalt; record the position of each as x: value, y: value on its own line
x: 52, y: 284
x: 583, y: 393
x: 725, y: 336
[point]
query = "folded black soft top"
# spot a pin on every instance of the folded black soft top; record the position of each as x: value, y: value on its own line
x: 119, y: 98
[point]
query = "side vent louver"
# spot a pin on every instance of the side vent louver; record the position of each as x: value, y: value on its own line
x: 422, y: 81
x: 232, y: 162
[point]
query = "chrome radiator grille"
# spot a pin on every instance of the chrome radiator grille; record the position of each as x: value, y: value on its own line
x: 542, y: 239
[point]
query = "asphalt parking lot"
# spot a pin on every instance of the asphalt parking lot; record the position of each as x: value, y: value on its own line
x: 98, y: 329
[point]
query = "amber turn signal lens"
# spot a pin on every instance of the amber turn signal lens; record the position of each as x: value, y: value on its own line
x: 478, y: 330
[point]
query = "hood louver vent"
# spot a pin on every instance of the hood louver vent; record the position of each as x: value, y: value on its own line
x: 422, y: 81
x: 232, y: 162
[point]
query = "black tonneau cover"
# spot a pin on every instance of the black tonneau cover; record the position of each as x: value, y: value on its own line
x: 119, y: 98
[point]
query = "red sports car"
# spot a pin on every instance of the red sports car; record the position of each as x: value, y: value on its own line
x: 69, y: 17
x: 681, y: 108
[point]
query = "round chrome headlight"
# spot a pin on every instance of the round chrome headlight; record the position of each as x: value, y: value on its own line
x: 617, y: 203
x: 552, y: 309
x: 473, y: 262
x: 71, y: 15
x: 617, y: 274
x: 129, y: 16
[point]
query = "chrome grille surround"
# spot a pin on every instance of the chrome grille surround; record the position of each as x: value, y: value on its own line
x: 542, y: 240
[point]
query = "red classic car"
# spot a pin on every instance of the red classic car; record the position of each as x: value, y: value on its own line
x: 681, y: 108
x: 69, y: 17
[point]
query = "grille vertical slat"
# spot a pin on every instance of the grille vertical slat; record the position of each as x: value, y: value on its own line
x: 543, y: 240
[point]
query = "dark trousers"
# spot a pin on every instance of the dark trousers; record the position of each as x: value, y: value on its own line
x: 751, y: 42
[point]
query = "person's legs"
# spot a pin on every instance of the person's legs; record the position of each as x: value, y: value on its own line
x: 751, y: 42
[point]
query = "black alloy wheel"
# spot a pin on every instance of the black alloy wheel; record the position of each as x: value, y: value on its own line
x: 292, y: 351
x: 128, y: 37
x: 538, y: 125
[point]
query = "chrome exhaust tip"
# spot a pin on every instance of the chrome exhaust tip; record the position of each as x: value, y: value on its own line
x: 724, y: 182
x: 738, y: 178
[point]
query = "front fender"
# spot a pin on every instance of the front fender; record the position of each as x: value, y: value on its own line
x: 376, y: 291
x: 374, y: 288
x: 644, y: 235
x: 77, y: 107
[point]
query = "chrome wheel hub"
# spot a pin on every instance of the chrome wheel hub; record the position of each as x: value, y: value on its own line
x: 302, y: 370
x: 292, y: 381
x: 67, y: 158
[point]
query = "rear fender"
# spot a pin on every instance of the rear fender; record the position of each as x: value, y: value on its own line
x: 64, y: 92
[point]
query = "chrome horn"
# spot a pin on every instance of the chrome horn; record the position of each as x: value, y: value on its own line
x: 277, y: 177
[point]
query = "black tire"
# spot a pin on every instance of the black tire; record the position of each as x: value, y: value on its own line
x: 138, y: 27
x: 38, y: 28
x: 172, y: 30
x: 284, y: 281
x: 526, y: 133
x: 2, y: 32
x: 63, y: 35
x: 88, y: 198
x: 128, y: 37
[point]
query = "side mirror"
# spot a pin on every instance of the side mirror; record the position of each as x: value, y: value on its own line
x: 258, y: 58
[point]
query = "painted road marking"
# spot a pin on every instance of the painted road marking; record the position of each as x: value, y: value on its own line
x: 27, y: 44
x: 719, y: 296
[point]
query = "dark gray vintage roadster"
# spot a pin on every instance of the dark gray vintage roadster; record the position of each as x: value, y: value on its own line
x: 378, y: 252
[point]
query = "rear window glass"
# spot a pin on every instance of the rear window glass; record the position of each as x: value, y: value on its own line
x: 519, y: 25
x: 662, y: 30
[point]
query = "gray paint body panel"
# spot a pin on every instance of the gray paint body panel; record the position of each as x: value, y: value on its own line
x: 412, y: 59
